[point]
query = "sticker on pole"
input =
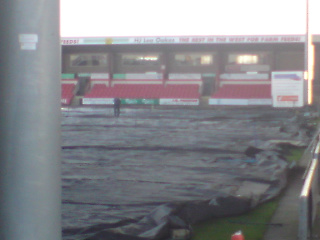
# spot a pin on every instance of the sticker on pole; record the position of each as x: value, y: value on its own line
x: 28, y: 41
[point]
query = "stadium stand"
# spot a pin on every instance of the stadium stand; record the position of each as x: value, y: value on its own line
x: 181, y: 91
x: 99, y: 90
x: 67, y: 91
x: 99, y: 81
x: 146, y: 91
x: 243, y: 94
x: 99, y: 93
x: 102, y: 92
x: 244, y: 91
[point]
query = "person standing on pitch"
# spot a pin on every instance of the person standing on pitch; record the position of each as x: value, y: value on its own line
x: 116, y: 106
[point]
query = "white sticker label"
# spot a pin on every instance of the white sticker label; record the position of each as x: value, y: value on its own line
x: 28, y: 41
x: 28, y: 46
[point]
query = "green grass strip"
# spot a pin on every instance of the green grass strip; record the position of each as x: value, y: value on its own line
x: 253, y: 224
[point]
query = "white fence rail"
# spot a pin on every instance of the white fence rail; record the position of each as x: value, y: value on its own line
x: 309, y: 197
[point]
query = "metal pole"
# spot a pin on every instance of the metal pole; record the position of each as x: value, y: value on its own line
x: 306, y: 43
x: 307, y: 75
x: 30, y: 187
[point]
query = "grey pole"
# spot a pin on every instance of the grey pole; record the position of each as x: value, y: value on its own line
x: 306, y: 43
x: 30, y: 187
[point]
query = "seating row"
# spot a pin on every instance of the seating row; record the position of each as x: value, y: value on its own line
x: 151, y: 91
x: 132, y: 91
x: 242, y: 94
x: 244, y: 91
x: 101, y: 90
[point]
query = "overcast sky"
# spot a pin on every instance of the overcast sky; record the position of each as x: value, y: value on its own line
x: 95, y: 18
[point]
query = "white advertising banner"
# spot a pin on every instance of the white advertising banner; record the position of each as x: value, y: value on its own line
x: 214, y: 39
x: 97, y: 101
x: 175, y: 101
x: 242, y: 76
x: 143, y: 76
x: 184, y: 76
x: 241, y: 102
x: 288, y: 89
x: 184, y: 40
x: 100, y: 76
x: 138, y: 76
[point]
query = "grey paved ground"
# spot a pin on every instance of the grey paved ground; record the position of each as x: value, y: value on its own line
x: 316, y: 227
x: 285, y: 222
x: 287, y: 213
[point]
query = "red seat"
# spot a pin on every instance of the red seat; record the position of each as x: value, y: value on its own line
x: 67, y: 93
x: 244, y: 91
x: 100, y: 90
x: 181, y: 91
x: 143, y: 91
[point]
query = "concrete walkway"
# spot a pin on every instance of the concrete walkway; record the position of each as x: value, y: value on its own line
x: 284, y: 223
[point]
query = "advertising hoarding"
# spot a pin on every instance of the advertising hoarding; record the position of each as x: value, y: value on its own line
x: 288, y: 89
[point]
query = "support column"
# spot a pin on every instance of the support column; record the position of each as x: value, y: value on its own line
x: 30, y: 187
x: 307, y: 74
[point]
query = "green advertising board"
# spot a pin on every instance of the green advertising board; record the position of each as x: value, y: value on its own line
x: 67, y: 76
x: 84, y: 74
x: 119, y: 76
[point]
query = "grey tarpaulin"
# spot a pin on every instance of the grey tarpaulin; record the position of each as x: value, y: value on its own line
x: 151, y: 171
